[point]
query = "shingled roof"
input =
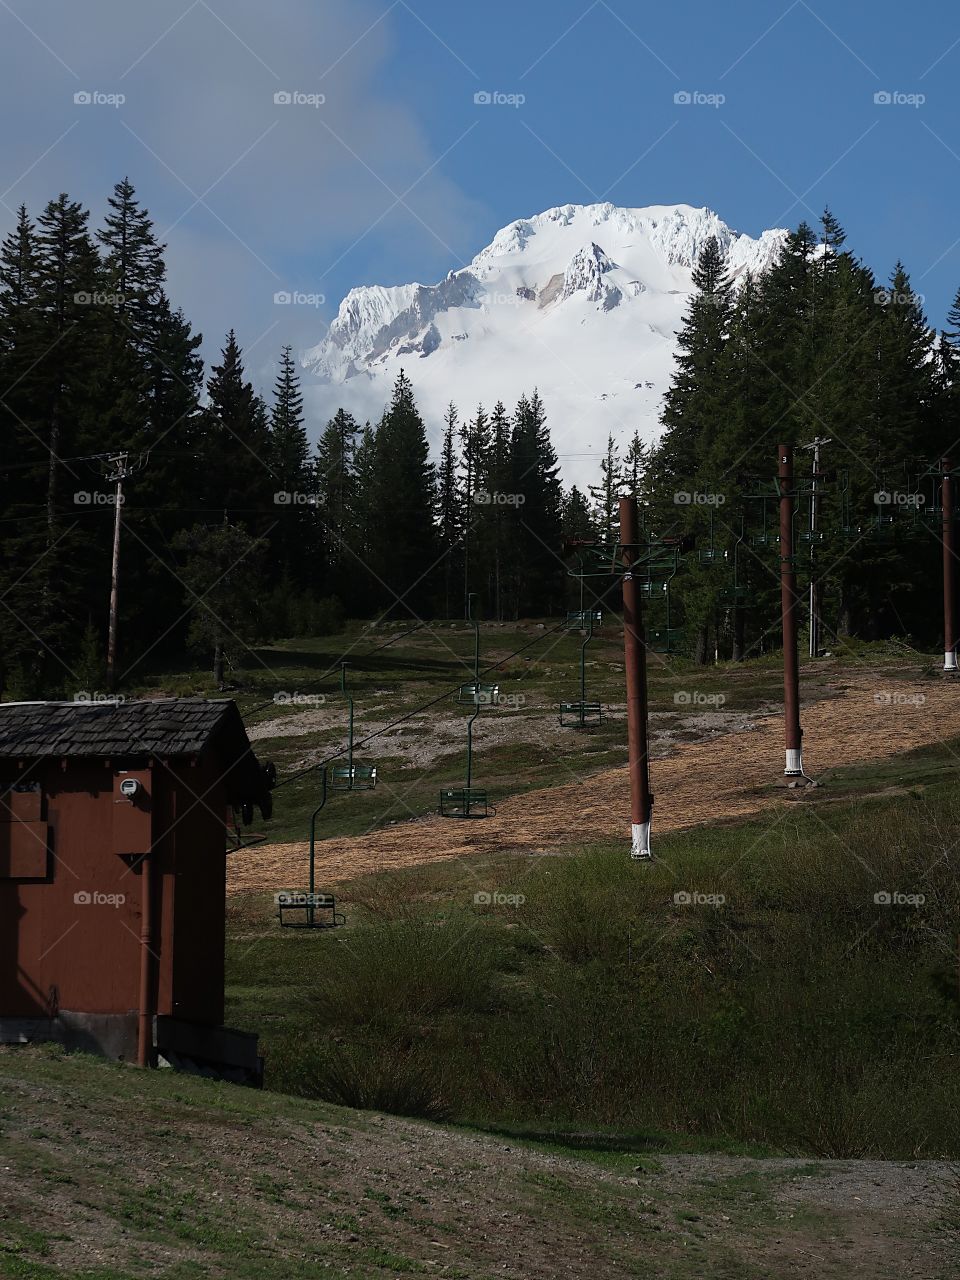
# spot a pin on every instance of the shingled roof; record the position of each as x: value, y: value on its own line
x: 167, y: 727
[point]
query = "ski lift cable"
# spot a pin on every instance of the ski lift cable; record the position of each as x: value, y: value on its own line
x: 425, y: 706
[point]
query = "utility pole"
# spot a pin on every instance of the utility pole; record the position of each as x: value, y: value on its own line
x: 789, y: 602
x: 815, y: 446
x: 635, y: 665
x: 949, y: 570
x: 122, y: 469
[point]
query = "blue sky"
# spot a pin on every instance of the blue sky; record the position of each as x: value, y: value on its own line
x: 401, y: 175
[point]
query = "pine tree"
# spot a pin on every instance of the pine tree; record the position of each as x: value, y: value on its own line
x: 342, y: 533
x: 402, y: 535
x: 293, y: 540
x: 133, y: 265
x: 636, y: 462
x: 475, y: 438
x: 695, y: 404
x: 605, y: 496
x: 536, y: 542
x: 451, y: 518
x: 235, y: 446
x: 694, y: 417
x: 495, y: 531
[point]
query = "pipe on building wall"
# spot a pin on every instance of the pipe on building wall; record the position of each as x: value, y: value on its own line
x: 146, y: 1012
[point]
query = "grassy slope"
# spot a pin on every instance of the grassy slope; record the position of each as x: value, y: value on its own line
x: 388, y: 682
x: 106, y: 1173
x: 785, y: 1019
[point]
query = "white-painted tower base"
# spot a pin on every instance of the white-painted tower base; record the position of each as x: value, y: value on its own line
x: 794, y: 768
x: 640, y: 848
x: 950, y: 660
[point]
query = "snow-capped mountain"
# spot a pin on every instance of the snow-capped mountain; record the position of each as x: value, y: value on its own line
x: 582, y: 302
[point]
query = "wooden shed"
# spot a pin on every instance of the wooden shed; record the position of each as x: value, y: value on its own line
x: 115, y: 819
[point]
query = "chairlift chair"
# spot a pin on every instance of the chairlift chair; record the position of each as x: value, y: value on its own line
x: 351, y: 776
x: 467, y: 801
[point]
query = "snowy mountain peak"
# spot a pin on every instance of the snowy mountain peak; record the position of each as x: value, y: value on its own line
x: 582, y: 301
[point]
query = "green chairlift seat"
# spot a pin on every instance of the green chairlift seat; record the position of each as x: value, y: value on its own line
x: 666, y: 640
x: 581, y: 715
x: 479, y: 695
x: 464, y: 802
x: 736, y: 595
x: 351, y: 776
x: 582, y: 619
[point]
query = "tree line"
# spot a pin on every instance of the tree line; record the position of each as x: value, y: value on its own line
x: 815, y: 348
x: 235, y: 529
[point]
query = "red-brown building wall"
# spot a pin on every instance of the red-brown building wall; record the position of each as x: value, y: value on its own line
x: 59, y: 950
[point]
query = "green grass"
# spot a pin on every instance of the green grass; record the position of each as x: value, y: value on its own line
x: 800, y: 1016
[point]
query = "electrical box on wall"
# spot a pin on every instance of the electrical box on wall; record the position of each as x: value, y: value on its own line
x: 132, y: 813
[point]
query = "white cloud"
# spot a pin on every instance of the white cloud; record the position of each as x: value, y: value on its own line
x: 287, y: 189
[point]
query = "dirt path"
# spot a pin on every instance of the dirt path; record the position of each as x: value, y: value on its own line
x: 862, y: 718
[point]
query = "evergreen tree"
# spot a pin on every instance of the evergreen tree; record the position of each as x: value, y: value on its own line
x: 451, y: 517
x: 536, y: 545
x: 339, y: 491
x: 293, y: 539
x: 496, y: 528
x: 605, y: 496
x: 235, y: 446
x: 402, y: 537
x: 475, y: 438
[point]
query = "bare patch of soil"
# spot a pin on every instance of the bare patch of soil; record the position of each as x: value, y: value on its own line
x: 712, y: 779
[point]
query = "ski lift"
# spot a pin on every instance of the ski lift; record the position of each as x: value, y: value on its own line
x: 666, y: 640
x: 311, y: 903
x: 581, y: 619
x: 736, y: 595
x: 350, y: 776
x: 464, y: 802
x: 467, y: 801
x: 479, y: 695
x: 712, y: 554
x: 582, y: 714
